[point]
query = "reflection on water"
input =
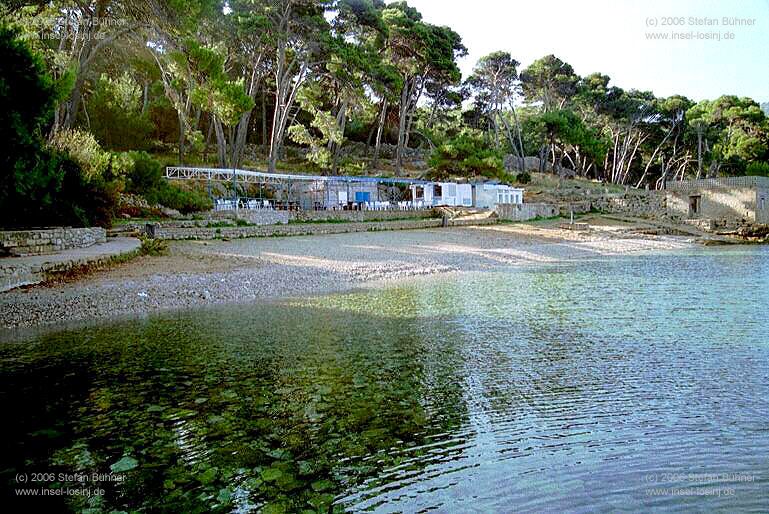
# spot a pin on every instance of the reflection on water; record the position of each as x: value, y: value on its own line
x: 625, y: 384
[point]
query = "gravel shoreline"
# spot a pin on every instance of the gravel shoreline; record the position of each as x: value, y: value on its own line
x: 215, y: 272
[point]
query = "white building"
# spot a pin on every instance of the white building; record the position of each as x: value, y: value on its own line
x: 439, y: 194
x: 488, y: 195
x: 452, y: 194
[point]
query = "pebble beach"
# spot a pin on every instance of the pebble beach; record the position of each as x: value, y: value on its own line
x: 196, y: 273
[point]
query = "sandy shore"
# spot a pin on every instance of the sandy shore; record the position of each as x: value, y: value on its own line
x: 197, y: 273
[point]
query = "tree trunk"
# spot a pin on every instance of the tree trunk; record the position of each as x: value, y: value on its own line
x: 379, y: 130
x: 264, y: 119
x: 241, y: 134
x: 73, y: 104
x: 401, y: 128
x: 287, y: 85
x: 654, y: 155
x: 181, y: 137
x: 520, y: 138
x: 342, y: 122
x: 146, y: 96
x: 699, y: 152
x: 221, y: 143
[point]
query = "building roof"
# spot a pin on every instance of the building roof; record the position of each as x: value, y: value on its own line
x: 708, y: 183
x: 261, y: 176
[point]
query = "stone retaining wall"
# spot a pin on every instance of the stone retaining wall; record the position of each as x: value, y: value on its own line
x: 649, y: 204
x: 20, y: 243
x: 526, y: 211
x: 160, y: 231
x: 565, y: 209
x: 263, y: 216
x: 359, y: 215
x: 12, y: 277
x: 34, y: 269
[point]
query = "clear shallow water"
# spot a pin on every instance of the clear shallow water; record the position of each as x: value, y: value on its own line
x: 619, y: 385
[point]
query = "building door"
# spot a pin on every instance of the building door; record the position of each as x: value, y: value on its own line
x: 694, y: 205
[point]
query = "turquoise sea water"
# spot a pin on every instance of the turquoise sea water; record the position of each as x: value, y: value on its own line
x: 624, y: 384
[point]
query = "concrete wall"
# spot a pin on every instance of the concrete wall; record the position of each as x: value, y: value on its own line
x: 19, y: 243
x: 724, y: 199
x: 12, y: 277
x: 733, y: 204
x: 526, y: 211
x: 762, y: 205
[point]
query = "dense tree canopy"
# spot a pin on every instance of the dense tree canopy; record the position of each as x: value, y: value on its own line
x: 329, y: 85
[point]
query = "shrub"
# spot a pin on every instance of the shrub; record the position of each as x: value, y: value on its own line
x: 466, y: 154
x: 115, y: 114
x: 523, y: 178
x: 31, y: 176
x: 146, y: 178
x: 83, y: 148
x: 145, y: 175
x: 183, y: 200
x: 152, y: 246
x: 758, y: 169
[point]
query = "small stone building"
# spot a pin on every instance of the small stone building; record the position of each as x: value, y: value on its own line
x: 727, y: 200
x: 489, y: 195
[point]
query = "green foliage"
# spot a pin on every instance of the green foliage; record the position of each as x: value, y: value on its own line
x: 146, y: 178
x: 348, y: 59
x: 523, y: 178
x: 565, y: 127
x: 760, y: 169
x: 82, y: 148
x: 153, y: 247
x: 145, y: 174
x: 40, y: 186
x: 183, y: 200
x: 323, y: 122
x: 467, y: 154
x: 115, y: 114
x: 201, y: 69
x: 549, y: 80
x: 735, y: 132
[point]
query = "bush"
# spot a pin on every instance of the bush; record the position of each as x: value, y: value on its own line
x: 115, y: 114
x: 146, y: 178
x: 760, y: 169
x: 83, y: 148
x: 466, y: 154
x: 183, y: 200
x: 145, y: 175
x: 153, y: 246
x: 523, y: 178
